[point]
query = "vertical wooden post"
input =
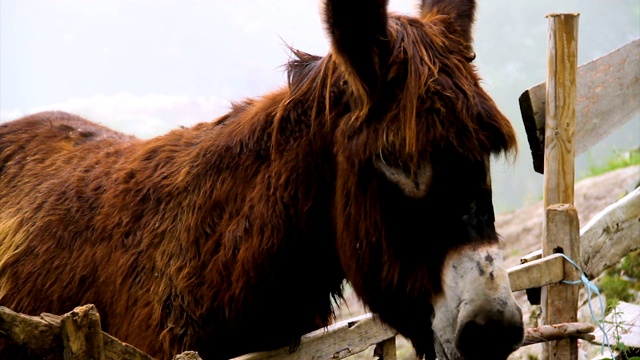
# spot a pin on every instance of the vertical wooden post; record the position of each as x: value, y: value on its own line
x: 561, y: 227
x: 560, y: 301
x: 386, y: 350
x: 82, y: 334
x: 560, y: 119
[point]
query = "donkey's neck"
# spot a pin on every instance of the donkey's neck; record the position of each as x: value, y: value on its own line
x: 256, y: 198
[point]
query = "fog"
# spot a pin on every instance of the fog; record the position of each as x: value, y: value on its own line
x: 146, y: 66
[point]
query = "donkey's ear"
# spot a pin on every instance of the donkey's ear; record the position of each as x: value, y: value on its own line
x: 462, y: 11
x: 359, y: 37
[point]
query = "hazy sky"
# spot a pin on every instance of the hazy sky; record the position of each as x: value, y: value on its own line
x: 145, y: 66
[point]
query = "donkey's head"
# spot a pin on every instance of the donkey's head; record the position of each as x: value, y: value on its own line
x: 414, y: 210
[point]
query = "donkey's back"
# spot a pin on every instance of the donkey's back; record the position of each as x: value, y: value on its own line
x: 38, y: 138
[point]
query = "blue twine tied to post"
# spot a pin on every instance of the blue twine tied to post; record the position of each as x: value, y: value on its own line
x: 591, y: 287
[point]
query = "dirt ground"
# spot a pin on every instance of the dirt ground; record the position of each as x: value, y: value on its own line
x: 521, y: 231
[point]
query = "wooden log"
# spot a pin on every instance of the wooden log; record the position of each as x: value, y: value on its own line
x: 560, y: 301
x: 336, y: 342
x: 607, y: 95
x: 39, y: 333
x: 187, y: 355
x: 610, y: 235
x: 560, y: 227
x: 43, y: 335
x: 82, y: 334
x: 547, y: 333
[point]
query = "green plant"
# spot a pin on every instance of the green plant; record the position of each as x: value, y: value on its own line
x: 616, y: 161
x: 534, y: 315
x: 624, y: 352
x: 619, y: 283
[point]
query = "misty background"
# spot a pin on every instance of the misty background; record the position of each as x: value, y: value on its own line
x: 147, y: 66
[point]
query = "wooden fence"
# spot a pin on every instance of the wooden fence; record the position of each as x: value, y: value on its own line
x: 561, y: 233
x: 570, y: 113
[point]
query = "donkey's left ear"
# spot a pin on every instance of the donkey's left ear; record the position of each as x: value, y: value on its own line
x: 462, y: 11
x: 359, y: 37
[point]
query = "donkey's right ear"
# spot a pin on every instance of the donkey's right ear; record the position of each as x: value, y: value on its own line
x: 462, y: 11
x: 359, y: 38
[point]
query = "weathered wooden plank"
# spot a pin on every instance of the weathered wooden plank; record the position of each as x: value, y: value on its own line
x: 610, y: 235
x: 43, y: 335
x: 81, y: 334
x: 335, y: 342
x: 607, y: 94
x: 537, y: 273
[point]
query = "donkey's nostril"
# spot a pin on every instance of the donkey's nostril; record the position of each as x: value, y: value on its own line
x: 491, y: 340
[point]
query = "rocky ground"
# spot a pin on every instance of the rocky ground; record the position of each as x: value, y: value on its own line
x: 521, y: 231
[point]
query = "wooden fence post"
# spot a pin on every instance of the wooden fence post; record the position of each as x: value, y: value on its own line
x: 561, y: 227
x: 82, y: 334
x: 386, y: 350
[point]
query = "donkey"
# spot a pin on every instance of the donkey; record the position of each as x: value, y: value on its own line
x: 372, y: 165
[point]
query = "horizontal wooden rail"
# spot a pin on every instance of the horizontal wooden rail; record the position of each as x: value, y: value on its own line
x: 611, y: 234
x: 336, y: 342
x: 537, y: 273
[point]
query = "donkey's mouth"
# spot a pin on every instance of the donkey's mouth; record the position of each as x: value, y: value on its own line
x: 476, y: 316
x: 453, y: 354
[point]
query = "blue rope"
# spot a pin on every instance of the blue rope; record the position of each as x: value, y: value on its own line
x: 591, y: 288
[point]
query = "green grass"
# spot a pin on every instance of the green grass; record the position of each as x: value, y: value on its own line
x: 617, y: 160
x: 620, y: 282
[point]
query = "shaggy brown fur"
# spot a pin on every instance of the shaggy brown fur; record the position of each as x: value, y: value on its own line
x: 233, y: 236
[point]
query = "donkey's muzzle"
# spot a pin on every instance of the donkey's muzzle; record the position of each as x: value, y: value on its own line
x: 491, y: 334
x: 476, y: 316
